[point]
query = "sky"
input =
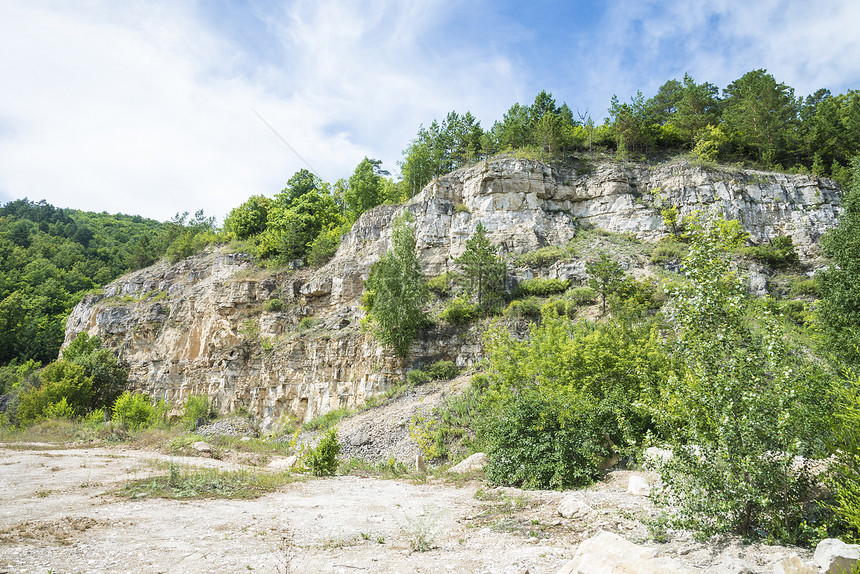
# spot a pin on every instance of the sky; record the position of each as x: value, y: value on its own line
x: 157, y: 107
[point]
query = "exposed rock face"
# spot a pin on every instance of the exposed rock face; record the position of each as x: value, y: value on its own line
x: 205, y: 325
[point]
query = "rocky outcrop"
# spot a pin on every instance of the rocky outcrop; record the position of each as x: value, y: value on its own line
x: 290, y: 343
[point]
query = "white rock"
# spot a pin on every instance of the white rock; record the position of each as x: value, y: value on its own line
x: 283, y: 463
x: 572, y: 506
x: 835, y: 556
x: 607, y: 553
x: 638, y: 486
x: 475, y: 462
x: 731, y: 565
x: 793, y: 565
x: 201, y: 446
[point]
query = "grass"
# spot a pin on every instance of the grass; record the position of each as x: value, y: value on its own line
x: 205, y: 483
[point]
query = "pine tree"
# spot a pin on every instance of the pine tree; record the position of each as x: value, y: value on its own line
x: 482, y: 267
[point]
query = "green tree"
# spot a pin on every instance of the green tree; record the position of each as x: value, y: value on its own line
x: 365, y: 189
x: 482, y: 267
x: 250, y: 218
x: 753, y: 404
x: 397, y: 291
x: 604, y: 276
x: 839, y: 284
x: 762, y: 112
x: 698, y: 107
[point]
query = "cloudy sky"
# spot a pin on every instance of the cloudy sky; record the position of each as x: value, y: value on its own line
x: 156, y: 107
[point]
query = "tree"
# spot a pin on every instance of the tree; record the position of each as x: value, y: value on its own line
x: 839, y: 308
x: 250, y: 218
x: 752, y: 404
x: 365, y: 189
x: 761, y: 111
x: 604, y: 276
x: 482, y: 266
x: 397, y: 291
x: 697, y: 107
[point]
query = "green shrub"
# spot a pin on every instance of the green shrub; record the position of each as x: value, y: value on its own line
x: 274, y: 305
x: 60, y: 410
x: 540, y: 287
x: 417, y: 377
x: 581, y: 296
x: 528, y: 307
x: 546, y: 440
x: 196, y: 408
x: 778, y: 253
x: 322, y: 460
x: 95, y: 419
x: 441, y: 285
x: 307, y: 323
x: 134, y: 411
x: 59, y: 381
x: 442, y: 370
x: 327, y: 420
x: 805, y: 288
x: 324, y: 246
x: 460, y: 311
x: 669, y: 250
x: 542, y: 257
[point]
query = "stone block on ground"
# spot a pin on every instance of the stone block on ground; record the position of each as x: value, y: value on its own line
x: 638, y: 486
x: 202, y: 447
x: 835, y: 556
x: 571, y: 506
x: 793, y: 565
x: 475, y: 462
x: 283, y: 463
x: 608, y: 553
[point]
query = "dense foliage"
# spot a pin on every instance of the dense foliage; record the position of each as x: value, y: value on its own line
x: 50, y: 257
x: 397, y: 291
x: 755, y: 119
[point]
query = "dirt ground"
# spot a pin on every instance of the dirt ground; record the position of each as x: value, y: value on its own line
x: 59, y: 513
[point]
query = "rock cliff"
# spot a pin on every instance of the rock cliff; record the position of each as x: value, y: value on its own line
x: 289, y: 343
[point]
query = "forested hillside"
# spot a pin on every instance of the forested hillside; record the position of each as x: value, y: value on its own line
x: 50, y: 257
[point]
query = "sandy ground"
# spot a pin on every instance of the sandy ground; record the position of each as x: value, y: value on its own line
x: 57, y: 514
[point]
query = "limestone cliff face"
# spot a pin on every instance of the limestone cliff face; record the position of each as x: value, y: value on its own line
x: 208, y: 324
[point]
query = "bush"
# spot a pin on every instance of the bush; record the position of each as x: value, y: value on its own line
x: 528, y: 307
x: 668, y: 250
x: 274, y: 305
x: 581, y: 296
x: 460, y: 311
x: 805, y: 288
x: 540, y: 287
x: 546, y: 440
x: 60, y: 381
x: 442, y: 370
x: 778, y: 253
x: 196, y: 407
x: 441, y: 285
x: 322, y: 460
x: 134, y: 411
x: 542, y: 257
x: 417, y: 377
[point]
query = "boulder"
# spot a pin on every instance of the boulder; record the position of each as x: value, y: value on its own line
x: 572, y: 506
x: 731, y: 565
x: 475, y: 462
x: 835, y: 556
x: 202, y: 447
x: 607, y: 553
x: 638, y: 486
x: 281, y: 464
x: 793, y: 565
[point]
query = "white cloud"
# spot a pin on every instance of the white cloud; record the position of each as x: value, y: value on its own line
x: 142, y: 108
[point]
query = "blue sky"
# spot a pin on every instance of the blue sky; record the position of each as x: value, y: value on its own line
x: 148, y: 106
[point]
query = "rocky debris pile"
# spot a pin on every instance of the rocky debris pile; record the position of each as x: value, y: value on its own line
x: 609, y: 553
x: 232, y: 426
